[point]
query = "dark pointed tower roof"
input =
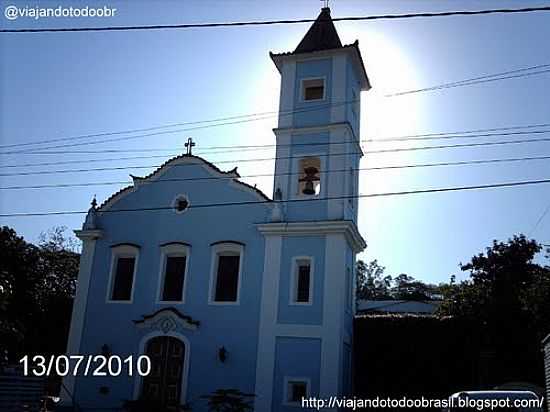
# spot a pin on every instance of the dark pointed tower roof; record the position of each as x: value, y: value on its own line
x: 322, y: 35
x: 320, y: 39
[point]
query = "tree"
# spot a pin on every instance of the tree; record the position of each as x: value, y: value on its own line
x: 371, y: 282
x: 508, y: 297
x: 504, y: 282
x: 37, y: 284
x: 408, y: 288
x: 373, y: 285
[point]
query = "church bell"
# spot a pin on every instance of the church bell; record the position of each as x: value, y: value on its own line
x: 308, y: 179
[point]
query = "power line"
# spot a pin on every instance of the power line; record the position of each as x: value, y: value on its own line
x: 409, y: 166
x: 273, y: 22
x: 369, y: 195
x: 541, y: 218
x: 117, y: 139
x: 432, y: 136
x: 452, y: 146
x: 477, y: 80
x: 243, y: 118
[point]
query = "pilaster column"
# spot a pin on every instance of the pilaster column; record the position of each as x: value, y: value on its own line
x: 89, y: 238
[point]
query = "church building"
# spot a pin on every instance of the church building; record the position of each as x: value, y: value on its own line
x: 221, y: 286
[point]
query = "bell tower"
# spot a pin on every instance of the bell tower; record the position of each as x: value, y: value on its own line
x: 318, y: 147
x: 311, y: 241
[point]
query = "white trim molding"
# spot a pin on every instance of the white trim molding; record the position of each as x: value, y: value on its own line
x: 89, y: 234
x: 302, y: 89
x: 333, y: 315
x: 283, y: 59
x: 218, y: 249
x: 89, y: 238
x: 122, y: 251
x: 286, y: 381
x: 330, y: 127
x: 265, y: 362
x: 293, y: 281
x: 322, y: 227
x: 172, y: 250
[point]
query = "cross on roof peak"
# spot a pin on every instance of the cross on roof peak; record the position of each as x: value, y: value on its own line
x: 189, y: 145
x: 325, y: 3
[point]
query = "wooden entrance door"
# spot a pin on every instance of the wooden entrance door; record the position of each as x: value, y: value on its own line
x: 163, y: 384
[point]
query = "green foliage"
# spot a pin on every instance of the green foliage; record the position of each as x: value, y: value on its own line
x: 508, y: 297
x: 37, y: 284
x: 229, y: 400
x: 372, y: 284
x: 505, y: 285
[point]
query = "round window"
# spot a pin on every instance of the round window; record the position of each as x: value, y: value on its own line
x: 181, y: 204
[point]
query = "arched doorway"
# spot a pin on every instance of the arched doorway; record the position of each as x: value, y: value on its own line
x: 163, y: 384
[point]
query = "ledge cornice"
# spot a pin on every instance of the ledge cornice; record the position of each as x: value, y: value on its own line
x: 89, y: 234
x: 321, y: 128
x: 346, y: 227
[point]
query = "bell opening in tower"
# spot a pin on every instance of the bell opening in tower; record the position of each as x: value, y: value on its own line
x: 309, y: 179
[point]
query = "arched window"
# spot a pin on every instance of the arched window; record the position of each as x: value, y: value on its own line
x: 309, y: 180
x: 173, y: 272
x: 225, y: 275
x: 123, y: 272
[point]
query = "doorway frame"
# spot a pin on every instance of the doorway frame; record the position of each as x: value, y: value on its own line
x: 138, y: 379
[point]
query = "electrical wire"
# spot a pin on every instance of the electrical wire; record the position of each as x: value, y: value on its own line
x: 394, y: 150
x: 541, y: 218
x: 359, y: 196
x: 471, y: 82
x: 240, y: 148
x: 273, y: 22
x: 407, y: 166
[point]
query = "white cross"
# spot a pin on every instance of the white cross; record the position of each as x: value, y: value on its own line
x: 326, y: 2
x: 189, y: 145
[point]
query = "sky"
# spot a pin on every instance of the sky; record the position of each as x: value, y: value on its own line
x: 58, y: 85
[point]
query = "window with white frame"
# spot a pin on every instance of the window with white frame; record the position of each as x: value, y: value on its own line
x: 301, y: 284
x: 226, y: 272
x: 295, y: 390
x: 173, y: 272
x: 122, y: 274
x: 313, y: 89
x: 309, y: 176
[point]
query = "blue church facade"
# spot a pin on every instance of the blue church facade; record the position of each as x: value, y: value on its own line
x: 221, y: 286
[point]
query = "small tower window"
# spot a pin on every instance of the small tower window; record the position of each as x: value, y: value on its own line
x: 313, y: 89
x: 301, y: 284
x: 296, y: 389
x: 309, y: 181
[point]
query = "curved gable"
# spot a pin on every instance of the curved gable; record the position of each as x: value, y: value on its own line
x: 213, y: 172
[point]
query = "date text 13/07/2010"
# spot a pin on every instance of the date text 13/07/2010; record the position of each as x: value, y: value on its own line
x: 85, y: 365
